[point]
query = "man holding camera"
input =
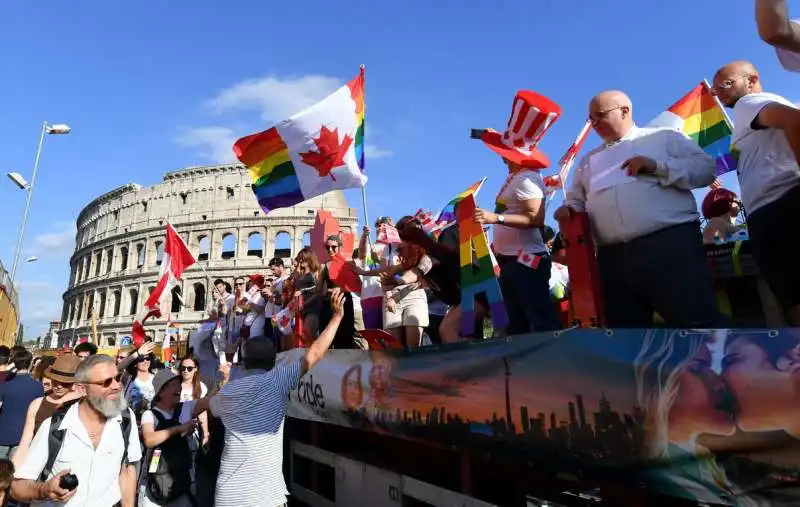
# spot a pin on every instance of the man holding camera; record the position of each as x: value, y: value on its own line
x: 86, y: 453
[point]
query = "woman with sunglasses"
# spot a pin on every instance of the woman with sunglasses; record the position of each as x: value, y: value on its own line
x: 305, y: 281
x: 347, y: 328
x: 192, y: 388
x: 140, y: 391
x: 61, y: 375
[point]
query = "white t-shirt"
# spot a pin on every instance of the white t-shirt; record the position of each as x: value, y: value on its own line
x: 767, y: 167
x: 254, y: 319
x: 559, y: 275
x: 523, y: 186
x: 139, y: 391
x: 186, y: 414
x: 789, y: 59
x: 187, y: 394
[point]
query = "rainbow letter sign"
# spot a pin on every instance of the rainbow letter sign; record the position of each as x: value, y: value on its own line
x: 483, y: 279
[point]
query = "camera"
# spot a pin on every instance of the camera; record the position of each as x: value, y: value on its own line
x: 68, y: 482
x: 477, y: 133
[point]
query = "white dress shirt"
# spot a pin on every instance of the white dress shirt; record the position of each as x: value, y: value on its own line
x: 97, y: 469
x: 648, y: 203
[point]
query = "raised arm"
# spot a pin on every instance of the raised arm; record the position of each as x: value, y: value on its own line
x: 774, y: 26
x: 317, y: 350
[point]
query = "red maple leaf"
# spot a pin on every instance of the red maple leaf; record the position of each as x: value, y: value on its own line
x: 330, y: 153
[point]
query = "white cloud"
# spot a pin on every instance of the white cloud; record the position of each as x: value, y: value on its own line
x: 215, y: 142
x: 372, y: 152
x: 60, y: 239
x: 273, y: 97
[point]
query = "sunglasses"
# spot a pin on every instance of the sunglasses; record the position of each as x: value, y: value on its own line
x: 187, y: 368
x: 331, y: 247
x: 143, y: 359
x: 106, y: 382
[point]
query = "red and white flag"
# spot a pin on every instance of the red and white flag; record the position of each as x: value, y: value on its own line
x: 388, y: 235
x: 568, y: 159
x: 176, y: 259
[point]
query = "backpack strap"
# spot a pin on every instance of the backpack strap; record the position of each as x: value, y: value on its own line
x: 55, y: 438
x: 125, y: 424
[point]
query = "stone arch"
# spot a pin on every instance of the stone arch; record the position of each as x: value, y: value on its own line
x: 175, y: 304
x: 283, y: 245
x: 123, y: 261
x: 199, y: 297
x: 134, y: 301
x: 255, y: 244
x: 204, y: 248
x: 117, y: 296
x: 159, y: 252
x: 140, y: 255
x: 228, y: 245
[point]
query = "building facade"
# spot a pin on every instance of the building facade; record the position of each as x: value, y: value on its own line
x: 9, y: 309
x: 120, y: 244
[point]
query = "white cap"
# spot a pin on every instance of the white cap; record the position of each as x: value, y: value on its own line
x: 789, y: 59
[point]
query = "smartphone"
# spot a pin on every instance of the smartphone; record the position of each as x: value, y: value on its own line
x: 477, y: 133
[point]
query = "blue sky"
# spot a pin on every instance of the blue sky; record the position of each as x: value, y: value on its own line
x: 150, y: 87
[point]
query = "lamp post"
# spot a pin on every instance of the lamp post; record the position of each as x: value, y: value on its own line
x: 58, y: 129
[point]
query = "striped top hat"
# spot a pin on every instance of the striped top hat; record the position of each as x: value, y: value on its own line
x: 531, y: 118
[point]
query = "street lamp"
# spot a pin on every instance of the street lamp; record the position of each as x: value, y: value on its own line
x: 58, y: 129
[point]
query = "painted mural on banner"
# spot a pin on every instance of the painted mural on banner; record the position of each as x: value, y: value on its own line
x: 707, y: 415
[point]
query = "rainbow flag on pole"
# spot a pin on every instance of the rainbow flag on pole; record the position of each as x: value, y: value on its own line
x: 700, y: 116
x: 448, y: 214
x: 313, y: 152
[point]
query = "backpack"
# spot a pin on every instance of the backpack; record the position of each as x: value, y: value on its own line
x: 171, y: 478
x: 56, y: 437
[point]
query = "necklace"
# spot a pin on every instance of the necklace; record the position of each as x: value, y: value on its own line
x: 500, y: 205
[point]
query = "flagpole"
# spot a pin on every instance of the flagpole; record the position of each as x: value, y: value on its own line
x: 719, y: 104
x: 362, y: 67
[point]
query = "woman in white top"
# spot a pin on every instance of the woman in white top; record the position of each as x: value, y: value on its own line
x: 140, y: 391
x: 192, y: 388
x: 167, y: 400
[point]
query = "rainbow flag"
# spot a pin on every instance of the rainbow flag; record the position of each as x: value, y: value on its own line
x: 474, y: 249
x: 701, y: 117
x: 448, y: 214
x: 313, y: 152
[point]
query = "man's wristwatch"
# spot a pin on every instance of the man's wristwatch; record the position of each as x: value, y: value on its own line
x: 501, y: 219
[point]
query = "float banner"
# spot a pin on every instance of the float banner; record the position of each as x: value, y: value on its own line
x: 712, y: 416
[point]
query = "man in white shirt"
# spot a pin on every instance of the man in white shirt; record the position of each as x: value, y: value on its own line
x: 775, y: 28
x: 767, y: 137
x: 636, y: 188
x: 93, y: 447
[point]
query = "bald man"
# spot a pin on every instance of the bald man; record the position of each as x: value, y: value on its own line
x: 775, y: 28
x: 767, y: 137
x: 636, y: 188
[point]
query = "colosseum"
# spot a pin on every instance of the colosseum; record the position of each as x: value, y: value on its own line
x: 120, y: 237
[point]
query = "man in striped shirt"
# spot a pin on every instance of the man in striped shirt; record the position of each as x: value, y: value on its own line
x: 253, y: 409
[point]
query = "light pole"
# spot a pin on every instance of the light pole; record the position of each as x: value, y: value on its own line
x: 58, y: 129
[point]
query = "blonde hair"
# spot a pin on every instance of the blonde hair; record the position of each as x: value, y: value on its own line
x: 657, y: 368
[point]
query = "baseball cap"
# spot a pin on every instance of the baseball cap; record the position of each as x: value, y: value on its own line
x: 789, y: 59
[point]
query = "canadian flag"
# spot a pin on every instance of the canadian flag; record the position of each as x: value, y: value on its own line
x: 428, y: 221
x: 528, y: 259
x: 175, y: 261
x: 388, y: 235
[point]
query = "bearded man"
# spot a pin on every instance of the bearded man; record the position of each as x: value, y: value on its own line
x: 99, y: 445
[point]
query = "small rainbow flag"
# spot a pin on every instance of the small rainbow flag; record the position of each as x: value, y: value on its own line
x: 313, y: 152
x: 448, y: 214
x: 701, y: 117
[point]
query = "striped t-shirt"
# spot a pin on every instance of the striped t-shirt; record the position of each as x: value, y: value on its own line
x: 253, y: 409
